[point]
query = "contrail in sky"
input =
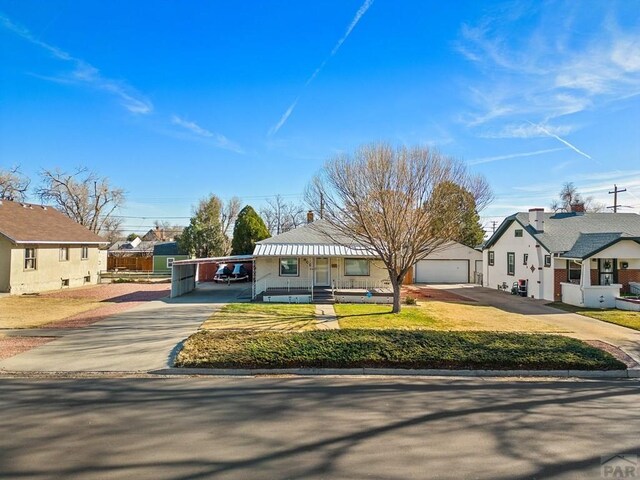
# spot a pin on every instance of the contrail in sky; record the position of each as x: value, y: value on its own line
x: 359, y: 14
x: 562, y: 140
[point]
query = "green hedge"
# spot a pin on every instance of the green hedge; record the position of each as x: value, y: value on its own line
x: 391, y: 349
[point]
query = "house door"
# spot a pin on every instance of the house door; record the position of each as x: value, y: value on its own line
x: 607, y: 270
x: 322, y: 273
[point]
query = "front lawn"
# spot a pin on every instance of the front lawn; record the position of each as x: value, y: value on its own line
x: 619, y: 317
x: 436, y: 315
x: 392, y: 349
x: 262, y: 316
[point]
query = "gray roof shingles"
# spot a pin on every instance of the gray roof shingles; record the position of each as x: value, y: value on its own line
x: 579, y: 234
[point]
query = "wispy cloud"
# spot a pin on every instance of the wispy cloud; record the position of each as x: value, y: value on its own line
x: 218, y: 139
x: 527, y: 130
x: 84, y: 73
x: 550, y: 69
x: 480, y: 161
x: 359, y: 14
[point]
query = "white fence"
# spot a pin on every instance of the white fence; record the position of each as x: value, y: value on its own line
x: 595, y: 296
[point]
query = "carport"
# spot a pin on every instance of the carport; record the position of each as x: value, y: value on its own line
x: 184, y: 273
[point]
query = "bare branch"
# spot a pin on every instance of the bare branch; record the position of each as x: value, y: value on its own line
x: 13, y: 184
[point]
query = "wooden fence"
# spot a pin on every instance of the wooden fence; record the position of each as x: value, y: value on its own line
x: 133, y: 264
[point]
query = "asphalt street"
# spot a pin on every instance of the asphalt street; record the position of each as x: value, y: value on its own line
x: 328, y: 427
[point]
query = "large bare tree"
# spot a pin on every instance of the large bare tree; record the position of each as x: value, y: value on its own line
x: 569, y: 200
x: 13, y: 184
x: 281, y: 216
x: 387, y: 200
x: 85, y: 197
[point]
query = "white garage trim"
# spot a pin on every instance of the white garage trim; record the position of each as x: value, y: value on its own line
x: 442, y: 271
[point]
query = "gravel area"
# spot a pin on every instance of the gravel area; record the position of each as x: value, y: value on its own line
x: 433, y: 294
x: 615, y: 351
x: 116, y: 292
x: 10, y: 346
x: 120, y: 297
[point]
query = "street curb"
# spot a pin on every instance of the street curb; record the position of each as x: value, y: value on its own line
x: 399, y: 372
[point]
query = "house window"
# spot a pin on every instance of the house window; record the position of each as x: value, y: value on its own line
x: 518, y: 232
x: 492, y: 258
x: 356, y: 267
x: 64, y: 254
x: 574, y: 270
x: 170, y: 262
x: 65, y: 282
x: 87, y: 279
x: 84, y: 252
x: 288, y: 267
x: 547, y: 260
x: 511, y: 263
x: 29, y: 258
x: 525, y: 259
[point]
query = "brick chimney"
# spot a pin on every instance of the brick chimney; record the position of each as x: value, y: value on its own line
x: 536, y: 218
x: 577, y: 207
x: 310, y: 216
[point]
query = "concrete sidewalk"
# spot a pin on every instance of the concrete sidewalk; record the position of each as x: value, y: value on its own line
x: 141, y: 339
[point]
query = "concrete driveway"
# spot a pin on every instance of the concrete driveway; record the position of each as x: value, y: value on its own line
x: 571, y: 324
x: 141, y: 339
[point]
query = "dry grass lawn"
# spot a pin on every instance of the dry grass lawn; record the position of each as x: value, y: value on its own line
x: 444, y: 316
x: 262, y: 316
x: 35, y: 311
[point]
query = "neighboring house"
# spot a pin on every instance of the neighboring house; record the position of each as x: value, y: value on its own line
x: 315, y: 256
x: 43, y: 249
x: 578, y: 258
x: 158, y: 234
x: 164, y: 254
x: 453, y: 263
x: 134, y: 255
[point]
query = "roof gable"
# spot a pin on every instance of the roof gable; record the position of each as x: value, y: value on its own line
x: 563, y: 230
x: 31, y: 223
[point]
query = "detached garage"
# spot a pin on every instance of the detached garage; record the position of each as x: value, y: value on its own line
x: 455, y: 263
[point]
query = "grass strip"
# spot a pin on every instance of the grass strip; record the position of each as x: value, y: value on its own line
x: 391, y: 349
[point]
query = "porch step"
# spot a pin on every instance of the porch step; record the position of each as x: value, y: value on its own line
x: 323, y: 296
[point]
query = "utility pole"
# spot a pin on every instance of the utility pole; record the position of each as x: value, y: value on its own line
x: 493, y: 226
x: 615, y: 192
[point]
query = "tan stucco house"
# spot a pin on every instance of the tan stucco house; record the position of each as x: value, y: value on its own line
x: 43, y: 249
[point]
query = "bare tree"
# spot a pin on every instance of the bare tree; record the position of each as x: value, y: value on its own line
x: 387, y: 200
x: 281, y: 216
x: 570, y: 200
x: 228, y: 216
x: 85, y: 197
x: 13, y: 184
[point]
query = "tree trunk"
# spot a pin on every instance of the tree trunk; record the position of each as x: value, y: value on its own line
x: 396, y: 295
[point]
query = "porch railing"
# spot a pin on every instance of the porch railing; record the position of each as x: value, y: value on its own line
x: 365, y: 284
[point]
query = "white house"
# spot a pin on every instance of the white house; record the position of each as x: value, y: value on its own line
x: 578, y: 258
x: 315, y: 258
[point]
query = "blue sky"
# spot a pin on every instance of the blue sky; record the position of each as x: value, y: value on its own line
x: 174, y: 100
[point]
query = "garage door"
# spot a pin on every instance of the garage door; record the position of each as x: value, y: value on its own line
x: 442, y: 271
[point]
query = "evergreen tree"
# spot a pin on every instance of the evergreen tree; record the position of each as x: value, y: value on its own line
x: 248, y: 230
x: 449, y: 198
x: 204, y: 236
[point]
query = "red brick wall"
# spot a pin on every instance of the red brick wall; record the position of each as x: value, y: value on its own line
x: 559, y: 275
x: 628, y: 275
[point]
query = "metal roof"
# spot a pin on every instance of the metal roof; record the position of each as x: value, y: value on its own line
x: 228, y: 258
x: 309, y: 250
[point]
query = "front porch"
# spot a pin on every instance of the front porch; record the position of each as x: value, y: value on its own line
x: 597, y: 282
x: 321, y: 280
